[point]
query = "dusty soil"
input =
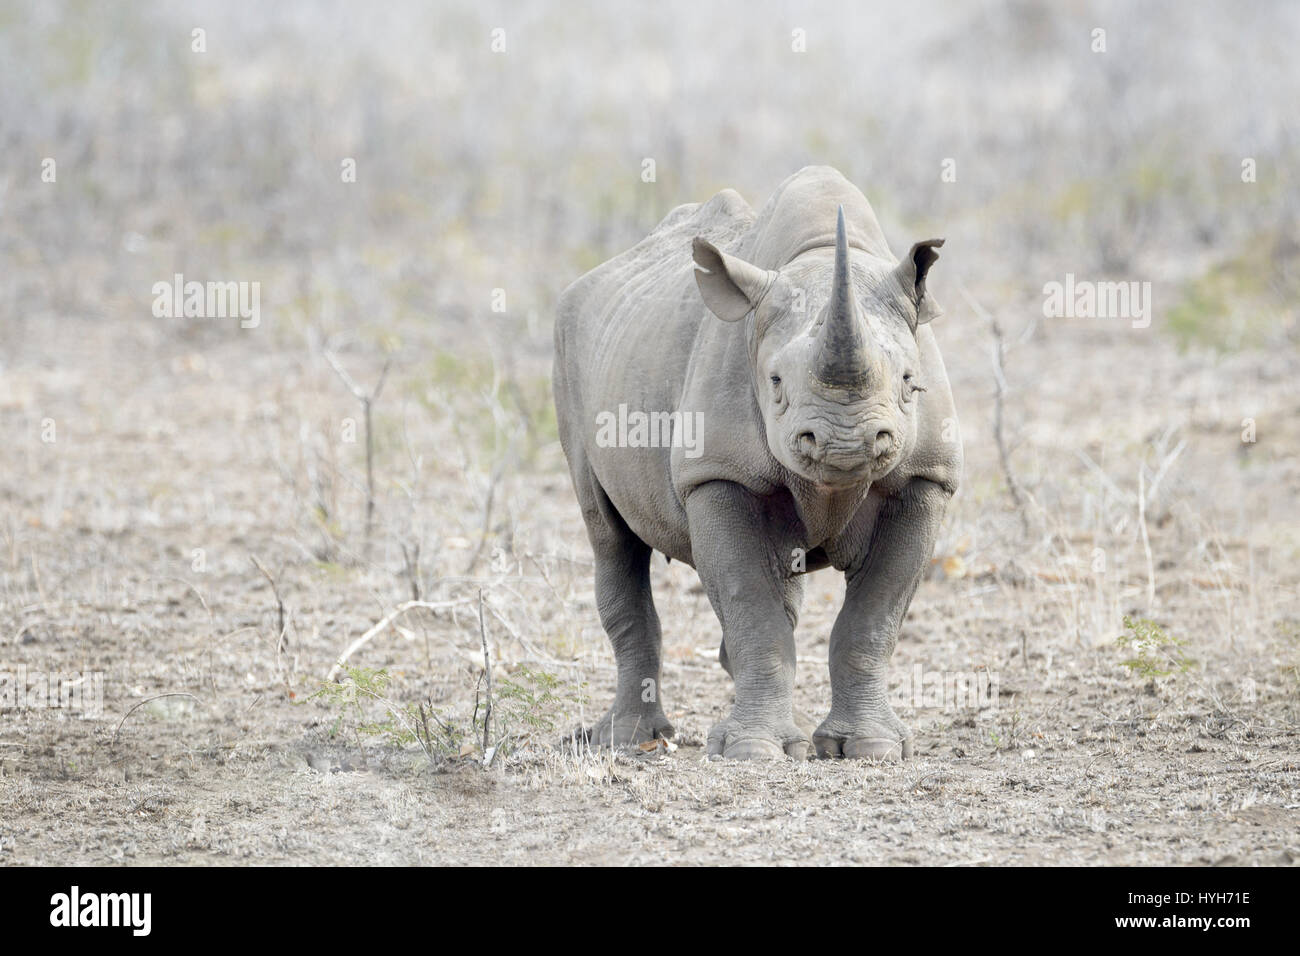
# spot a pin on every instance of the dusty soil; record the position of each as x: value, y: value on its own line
x: 1077, y: 760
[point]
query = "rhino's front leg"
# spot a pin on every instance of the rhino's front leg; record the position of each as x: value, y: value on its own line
x: 737, y: 553
x: 890, y: 560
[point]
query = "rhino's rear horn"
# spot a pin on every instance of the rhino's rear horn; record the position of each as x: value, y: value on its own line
x: 841, y: 355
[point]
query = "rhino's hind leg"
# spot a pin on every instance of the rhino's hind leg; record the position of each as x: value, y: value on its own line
x: 627, y: 613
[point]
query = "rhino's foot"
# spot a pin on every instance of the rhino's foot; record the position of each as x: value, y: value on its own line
x: 629, y: 729
x: 877, y: 736
x: 737, y: 741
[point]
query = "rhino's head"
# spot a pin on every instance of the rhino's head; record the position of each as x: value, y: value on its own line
x: 833, y: 353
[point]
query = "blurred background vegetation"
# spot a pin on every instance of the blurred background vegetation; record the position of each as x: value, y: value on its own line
x: 520, y: 169
x: 484, y: 173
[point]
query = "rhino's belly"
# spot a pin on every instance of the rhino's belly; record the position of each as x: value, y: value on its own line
x: 637, y: 480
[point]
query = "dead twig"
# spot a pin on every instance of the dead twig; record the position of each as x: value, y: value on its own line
x: 495, y: 480
x: 1165, y: 464
x: 411, y: 565
x: 1000, y: 381
x: 141, y: 704
x: 1146, y: 542
x: 487, y: 671
x: 367, y: 400
x: 379, y: 628
x: 1101, y: 476
x: 281, y: 625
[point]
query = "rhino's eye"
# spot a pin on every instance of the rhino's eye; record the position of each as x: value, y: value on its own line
x: 778, y: 394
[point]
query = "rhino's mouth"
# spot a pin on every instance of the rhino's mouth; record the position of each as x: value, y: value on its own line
x: 836, y: 460
x: 837, y: 477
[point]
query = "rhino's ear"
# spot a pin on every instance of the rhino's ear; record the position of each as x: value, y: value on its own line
x: 911, y: 273
x: 730, y: 287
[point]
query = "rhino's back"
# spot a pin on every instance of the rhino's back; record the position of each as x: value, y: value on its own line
x: 623, y: 331
x: 656, y: 272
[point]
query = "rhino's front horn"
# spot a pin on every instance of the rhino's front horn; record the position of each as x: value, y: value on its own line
x: 841, y: 355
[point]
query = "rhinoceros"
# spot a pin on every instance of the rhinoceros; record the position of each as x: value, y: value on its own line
x: 760, y: 396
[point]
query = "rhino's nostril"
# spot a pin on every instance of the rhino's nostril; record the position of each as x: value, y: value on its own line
x: 809, y: 446
x: 883, y: 444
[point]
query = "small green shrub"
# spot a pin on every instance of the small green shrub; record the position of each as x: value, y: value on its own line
x: 528, y: 706
x: 1155, y: 653
x: 534, y: 705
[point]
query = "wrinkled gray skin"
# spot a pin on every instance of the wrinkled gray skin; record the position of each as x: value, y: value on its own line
x: 828, y: 439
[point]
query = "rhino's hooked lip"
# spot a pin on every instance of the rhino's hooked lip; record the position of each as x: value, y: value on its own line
x: 829, y: 477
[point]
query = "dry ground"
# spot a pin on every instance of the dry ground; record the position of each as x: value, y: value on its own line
x: 1078, y: 760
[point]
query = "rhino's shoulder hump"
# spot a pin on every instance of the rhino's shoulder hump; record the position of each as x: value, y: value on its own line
x: 721, y: 220
x: 726, y: 209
